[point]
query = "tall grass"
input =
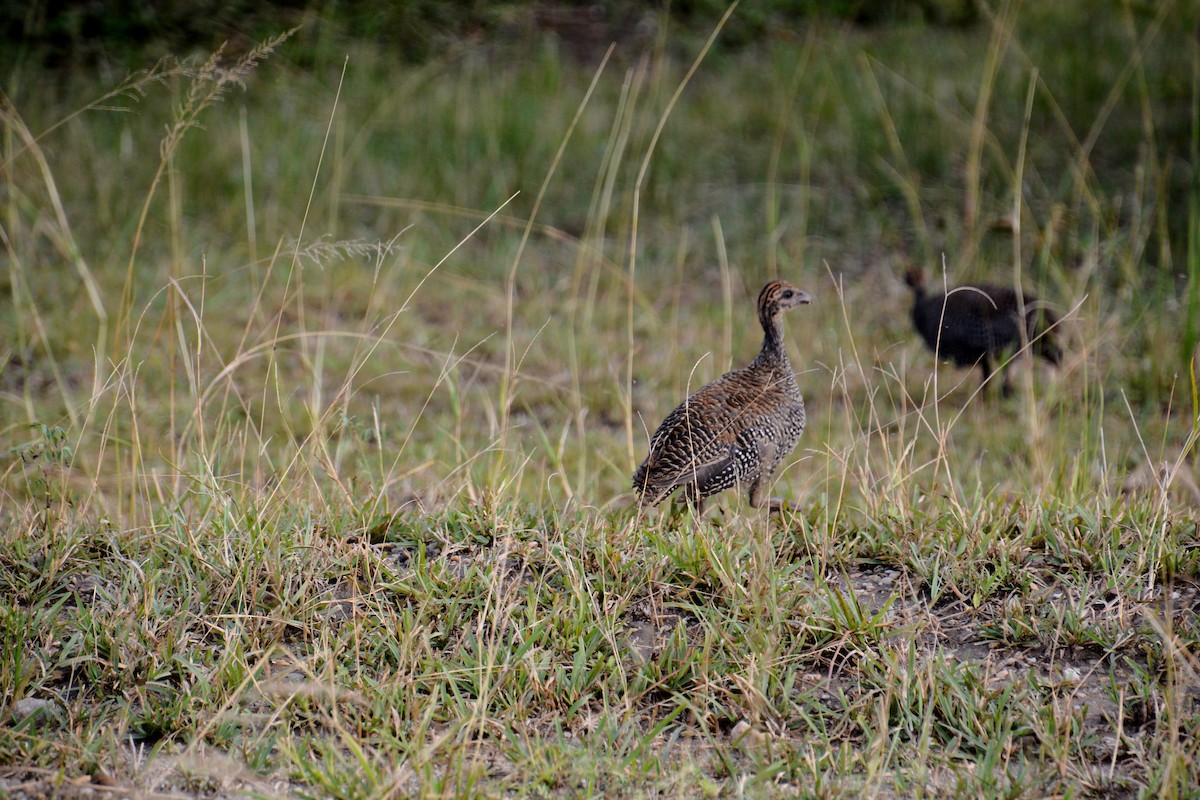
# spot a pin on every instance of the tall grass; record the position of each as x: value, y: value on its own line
x: 320, y: 391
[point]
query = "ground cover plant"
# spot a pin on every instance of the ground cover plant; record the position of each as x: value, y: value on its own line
x: 322, y: 380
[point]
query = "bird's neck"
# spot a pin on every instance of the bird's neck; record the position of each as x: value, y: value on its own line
x: 918, y: 304
x: 773, y: 352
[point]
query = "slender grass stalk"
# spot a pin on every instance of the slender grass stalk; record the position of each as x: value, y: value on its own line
x: 511, y: 364
x: 1002, y: 28
x: 635, y: 219
x: 1191, y: 318
x: 904, y: 176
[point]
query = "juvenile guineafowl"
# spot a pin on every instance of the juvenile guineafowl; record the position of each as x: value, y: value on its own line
x: 737, y: 429
x: 976, y: 324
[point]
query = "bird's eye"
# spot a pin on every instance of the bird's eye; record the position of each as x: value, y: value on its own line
x: 787, y: 293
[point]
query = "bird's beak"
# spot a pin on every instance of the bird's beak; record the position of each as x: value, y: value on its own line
x: 804, y: 298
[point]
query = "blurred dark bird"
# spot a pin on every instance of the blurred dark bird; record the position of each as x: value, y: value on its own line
x: 975, y: 324
x: 736, y: 430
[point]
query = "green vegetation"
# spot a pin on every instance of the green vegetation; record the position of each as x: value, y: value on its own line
x: 321, y: 386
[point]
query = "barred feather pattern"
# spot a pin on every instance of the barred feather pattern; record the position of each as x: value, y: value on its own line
x: 737, y: 430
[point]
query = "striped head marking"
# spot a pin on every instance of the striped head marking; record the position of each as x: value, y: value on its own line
x: 777, y: 297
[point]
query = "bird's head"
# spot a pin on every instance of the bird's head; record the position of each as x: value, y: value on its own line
x: 777, y: 297
x: 915, y: 278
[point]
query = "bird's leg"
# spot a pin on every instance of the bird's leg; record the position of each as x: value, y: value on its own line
x: 756, y: 494
x: 986, y: 366
x: 1005, y: 386
x: 691, y: 494
x: 676, y: 509
x: 758, y: 487
x: 775, y: 505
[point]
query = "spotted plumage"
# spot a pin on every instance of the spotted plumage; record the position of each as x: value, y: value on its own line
x: 738, y: 429
x: 975, y: 324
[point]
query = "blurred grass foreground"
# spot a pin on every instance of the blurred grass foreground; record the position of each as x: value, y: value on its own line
x: 331, y: 336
